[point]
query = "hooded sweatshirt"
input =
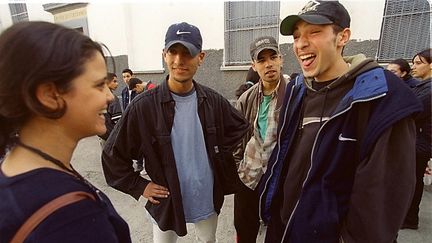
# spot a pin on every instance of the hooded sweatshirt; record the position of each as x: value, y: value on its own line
x: 318, y: 105
x: 341, y: 170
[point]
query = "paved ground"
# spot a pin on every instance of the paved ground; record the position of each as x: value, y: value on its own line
x: 86, y: 159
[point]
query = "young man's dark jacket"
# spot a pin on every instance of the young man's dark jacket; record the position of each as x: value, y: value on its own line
x: 411, y: 81
x: 125, y: 97
x: 144, y: 131
x: 423, y: 120
x: 358, y: 176
x: 113, y: 114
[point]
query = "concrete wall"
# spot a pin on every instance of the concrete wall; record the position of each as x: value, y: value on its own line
x: 226, y: 82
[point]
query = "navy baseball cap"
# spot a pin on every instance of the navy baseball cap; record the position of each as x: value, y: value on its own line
x: 318, y: 12
x: 186, y: 34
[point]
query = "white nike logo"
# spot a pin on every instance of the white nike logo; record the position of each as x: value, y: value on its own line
x: 346, y: 139
x: 182, y: 32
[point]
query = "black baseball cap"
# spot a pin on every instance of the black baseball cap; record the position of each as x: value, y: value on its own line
x: 262, y: 43
x: 186, y: 34
x: 318, y: 12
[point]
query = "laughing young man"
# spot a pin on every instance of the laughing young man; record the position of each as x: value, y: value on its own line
x: 342, y: 169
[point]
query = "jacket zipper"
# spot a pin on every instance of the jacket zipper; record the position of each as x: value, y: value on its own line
x: 313, y: 148
x: 277, y: 158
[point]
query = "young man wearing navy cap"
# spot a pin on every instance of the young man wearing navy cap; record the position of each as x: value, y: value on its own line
x: 187, y: 143
x: 260, y: 105
x: 342, y: 169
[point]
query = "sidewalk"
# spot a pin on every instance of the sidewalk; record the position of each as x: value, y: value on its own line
x: 424, y: 233
x: 86, y: 160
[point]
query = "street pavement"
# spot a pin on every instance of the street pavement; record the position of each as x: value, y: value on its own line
x: 86, y: 160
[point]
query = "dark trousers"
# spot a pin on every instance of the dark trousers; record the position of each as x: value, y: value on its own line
x: 412, y: 215
x: 246, y: 218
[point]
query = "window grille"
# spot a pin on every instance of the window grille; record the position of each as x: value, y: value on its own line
x: 244, y: 22
x: 18, y: 12
x: 405, y: 29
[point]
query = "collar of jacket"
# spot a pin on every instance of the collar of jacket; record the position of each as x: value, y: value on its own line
x: 278, y: 92
x: 364, y: 89
x: 166, y: 93
x: 423, y: 82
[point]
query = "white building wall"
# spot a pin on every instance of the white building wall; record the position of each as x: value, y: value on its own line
x: 146, y: 25
x: 106, y: 24
x: 5, y: 16
x: 36, y: 12
x: 137, y: 29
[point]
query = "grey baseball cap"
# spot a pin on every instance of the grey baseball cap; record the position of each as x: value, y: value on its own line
x: 262, y: 43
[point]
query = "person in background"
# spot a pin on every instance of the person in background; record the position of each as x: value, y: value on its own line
x: 147, y: 85
x: 135, y: 85
x: 139, y: 86
x: 41, y: 128
x: 126, y: 93
x: 114, y: 110
x: 342, y: 169
x: 260, y: 105
x: 402, y: 69
x: 421, y: 69
x: 252, y: 78
x: 187, y: 143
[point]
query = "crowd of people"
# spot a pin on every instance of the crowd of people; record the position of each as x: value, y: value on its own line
x: 335, y: 153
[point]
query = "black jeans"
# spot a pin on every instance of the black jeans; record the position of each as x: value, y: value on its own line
x: 246, y: 218
x: 412, y: 215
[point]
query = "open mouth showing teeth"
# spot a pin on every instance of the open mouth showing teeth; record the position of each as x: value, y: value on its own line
x: 307, y: 59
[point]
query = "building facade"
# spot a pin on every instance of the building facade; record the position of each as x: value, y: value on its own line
x: 134, y: 33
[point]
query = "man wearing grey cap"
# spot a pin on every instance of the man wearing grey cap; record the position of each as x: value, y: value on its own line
x: 342, y: 169
x: 260, y: 105
x: 186, y: 136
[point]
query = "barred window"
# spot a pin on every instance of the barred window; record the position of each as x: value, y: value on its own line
x: 18, y: 12
x: 405, y: 29
x: 244, y: 22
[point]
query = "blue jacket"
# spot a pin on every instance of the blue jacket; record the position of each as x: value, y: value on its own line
x: 423, y: 120
x: 324, y: 201
x: 125, y: 97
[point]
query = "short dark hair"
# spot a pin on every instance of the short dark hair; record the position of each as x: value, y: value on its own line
x: 35, y: 53
x: 403, y: 67
x: 426, y: 54
x: 110, y: 76
x: 127, y: 70
x: 133, y: 82
x: 336, y: 28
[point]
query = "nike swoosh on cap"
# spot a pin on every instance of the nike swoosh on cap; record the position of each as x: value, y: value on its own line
x: 182, y: 32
